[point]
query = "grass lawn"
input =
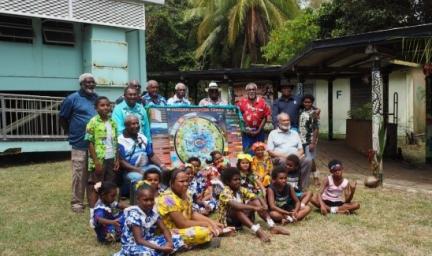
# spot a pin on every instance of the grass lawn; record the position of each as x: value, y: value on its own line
x: 35, y: 219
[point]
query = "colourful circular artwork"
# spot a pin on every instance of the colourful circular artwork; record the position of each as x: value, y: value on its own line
x: 197, y: 136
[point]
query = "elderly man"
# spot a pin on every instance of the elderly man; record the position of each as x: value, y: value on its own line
x: 136, y: 84
x: 152, y: 97
x: 130, y: 107
x: 213, y: 98
x: 75, y: 112
x: 283, y: 142
x: 179, y: 99
x: 135, y: 153
x: 255, y: 112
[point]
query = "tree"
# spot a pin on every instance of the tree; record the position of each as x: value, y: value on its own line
x: 233, y: 31
x: 348, y: 17
x: 170, y: 41
x: 291, y: 38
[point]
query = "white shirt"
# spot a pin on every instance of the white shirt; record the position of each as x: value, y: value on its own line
x: 287, y: 143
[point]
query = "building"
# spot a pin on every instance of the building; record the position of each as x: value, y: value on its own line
x: 45, y: 46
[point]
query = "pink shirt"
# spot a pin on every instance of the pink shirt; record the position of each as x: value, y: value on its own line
x: 333, y: 193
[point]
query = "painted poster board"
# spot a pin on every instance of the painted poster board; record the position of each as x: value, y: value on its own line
x: 182, y: 132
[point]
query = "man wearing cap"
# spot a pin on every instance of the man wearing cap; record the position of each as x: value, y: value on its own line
x: 255, y: 112
x: 75, y: 112
x: 135, y: 84
x: 290, y: 104
x: 152, y: 97
x: 213, y: 98
x: 179, y: 98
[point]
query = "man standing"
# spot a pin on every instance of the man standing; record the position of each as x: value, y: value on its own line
x: 288, y: 104
x: 137, y: 85
x: 179, y: 99
x: 152, y: 97
x: 75, y: 112
x: 283, y: 142
x: 213, y: 98
x: 130, y: 107
x: 255, y: 112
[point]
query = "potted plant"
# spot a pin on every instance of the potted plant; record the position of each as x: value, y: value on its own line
x: 359, y: 128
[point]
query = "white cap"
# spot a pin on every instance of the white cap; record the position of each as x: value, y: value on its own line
x: 212, y: 85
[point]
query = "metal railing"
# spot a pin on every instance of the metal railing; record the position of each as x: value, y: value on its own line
x: 30, y: 117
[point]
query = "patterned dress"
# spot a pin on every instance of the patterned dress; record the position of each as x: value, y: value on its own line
x: 107, y: 233
x: 262, y: 168
x: 249, y: 181
x: 147, y: 222
x: 169, y: 202
x: 241, y: 196
x: 197, y: 189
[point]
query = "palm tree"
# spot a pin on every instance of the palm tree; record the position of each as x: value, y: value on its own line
x: 238, y: 28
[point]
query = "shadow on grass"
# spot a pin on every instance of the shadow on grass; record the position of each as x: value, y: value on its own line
x: 33, y: 158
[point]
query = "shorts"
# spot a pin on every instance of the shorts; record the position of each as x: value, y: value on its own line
x: 234, y: 222
x: 107, y: 174
x: 289, y: 207
x: 333, y: 204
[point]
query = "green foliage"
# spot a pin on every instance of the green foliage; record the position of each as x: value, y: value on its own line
x: 363, y: 112
x: 231, y: 32
x: 348, y: 17
x: 170, y: 39
x: 291, y: 38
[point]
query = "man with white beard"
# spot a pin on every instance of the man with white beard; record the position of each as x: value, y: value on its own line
x: 284, y: 141
x: 75, y: 112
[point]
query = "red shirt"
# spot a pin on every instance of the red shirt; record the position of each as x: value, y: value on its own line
x: 253, y: 113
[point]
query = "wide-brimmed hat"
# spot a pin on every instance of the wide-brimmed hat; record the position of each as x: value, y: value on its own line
x: 212, y: 86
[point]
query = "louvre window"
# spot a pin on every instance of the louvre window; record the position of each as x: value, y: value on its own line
x: 16, y: 29
x: 57, y: 32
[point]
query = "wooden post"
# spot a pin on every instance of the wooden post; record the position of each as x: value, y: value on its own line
x: 330, y: 108
x: 385, y: 76
x: 428, y: 77
x: 377, y: 120
x: 300, y: 84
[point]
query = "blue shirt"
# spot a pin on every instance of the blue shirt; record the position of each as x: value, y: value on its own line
x: 122, y: 110
x: 291, y: 106
x: 158, y: 101
x: 78, y: 108
x: 285, y: 142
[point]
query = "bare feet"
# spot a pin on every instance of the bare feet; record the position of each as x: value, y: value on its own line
x: 263, y: 236
x: 279, y: 231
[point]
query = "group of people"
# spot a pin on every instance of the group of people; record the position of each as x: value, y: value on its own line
x: 169, y: 208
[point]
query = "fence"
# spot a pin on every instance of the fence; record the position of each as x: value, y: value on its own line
x: 25, y: 117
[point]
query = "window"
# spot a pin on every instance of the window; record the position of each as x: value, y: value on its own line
x: 16, y: 29
x: 58, y: 32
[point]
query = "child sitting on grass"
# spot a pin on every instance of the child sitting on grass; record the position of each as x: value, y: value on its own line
x: 292, y: 165
x: 108, y: 216
x: 152, y: 177
x: 202, y: 202
x: 262, y: 164
x: 329, y: 199
x: 249, y: 180
x: 141, y: 222
x: 282, y: 200
x: 237, y: 207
